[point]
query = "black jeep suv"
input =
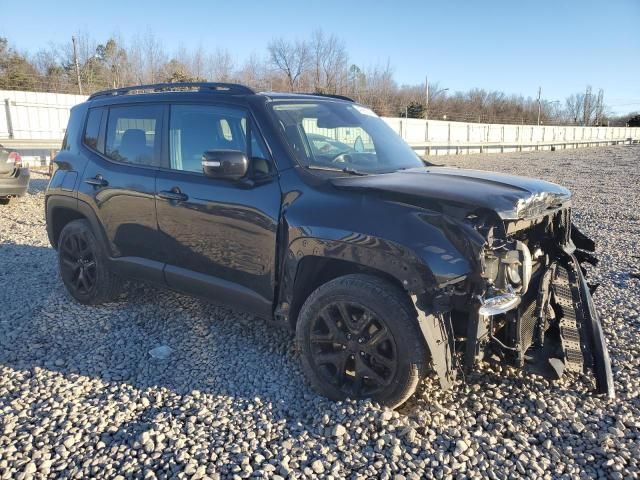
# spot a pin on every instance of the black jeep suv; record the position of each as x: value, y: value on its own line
x: 310, y: 211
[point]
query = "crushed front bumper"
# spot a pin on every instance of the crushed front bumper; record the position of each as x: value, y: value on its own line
x: 554, y: 328
x: 594, y: 339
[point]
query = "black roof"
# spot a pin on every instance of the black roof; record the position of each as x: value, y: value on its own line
x: 176, y: 87
x: 210, y: 87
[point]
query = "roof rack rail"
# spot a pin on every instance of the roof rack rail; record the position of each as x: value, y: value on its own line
x: 331, y: 95
x: 232, y: 88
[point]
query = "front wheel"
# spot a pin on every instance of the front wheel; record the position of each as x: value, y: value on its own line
x: 84, y: 266
x: 358, y: 337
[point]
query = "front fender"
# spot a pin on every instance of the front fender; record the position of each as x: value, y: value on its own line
x: 423, y: 250
x: 362, y: 249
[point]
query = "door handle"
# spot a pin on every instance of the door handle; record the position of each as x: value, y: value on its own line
x: 174, y: 194
x: 96, y: 181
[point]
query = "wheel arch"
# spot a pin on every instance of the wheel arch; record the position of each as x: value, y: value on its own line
x: 61, y: 209
x: 314, y: 271
x: 310, y: 263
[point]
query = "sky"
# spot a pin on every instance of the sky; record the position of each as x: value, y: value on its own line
x: 511, y: 46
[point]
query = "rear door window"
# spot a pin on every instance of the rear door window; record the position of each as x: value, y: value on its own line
x: 134, y: 134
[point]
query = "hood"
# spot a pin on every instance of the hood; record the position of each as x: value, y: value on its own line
x: 511, y: 197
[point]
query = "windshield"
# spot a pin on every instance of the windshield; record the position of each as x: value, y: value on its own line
x: 343, y: 136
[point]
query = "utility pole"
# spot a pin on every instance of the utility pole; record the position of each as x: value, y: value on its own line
x: 539, y: 103
x: 586, y: 109
x: 426, y: 103
x: 426, y: 108
x: 599, y: 107
x: 75, y: 61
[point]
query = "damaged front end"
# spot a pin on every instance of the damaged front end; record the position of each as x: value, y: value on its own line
x: 527, y: 304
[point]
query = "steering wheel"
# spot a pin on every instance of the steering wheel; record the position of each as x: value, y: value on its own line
x: 342, y: 157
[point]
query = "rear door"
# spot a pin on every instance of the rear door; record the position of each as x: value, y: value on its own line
x: 124, y: 146
x: 219, y: 235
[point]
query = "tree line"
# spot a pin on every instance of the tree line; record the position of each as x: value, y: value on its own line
x: 319, y: 64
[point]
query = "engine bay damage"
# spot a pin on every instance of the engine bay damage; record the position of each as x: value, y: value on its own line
x: 527, y: 303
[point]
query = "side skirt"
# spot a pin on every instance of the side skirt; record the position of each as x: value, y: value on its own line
x: 217, y: 290
x: 207, y: 287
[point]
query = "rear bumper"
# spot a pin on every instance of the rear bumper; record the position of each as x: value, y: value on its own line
x: 15, y: 185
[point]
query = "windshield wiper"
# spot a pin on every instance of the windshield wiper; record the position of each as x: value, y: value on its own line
x: 348, y: 170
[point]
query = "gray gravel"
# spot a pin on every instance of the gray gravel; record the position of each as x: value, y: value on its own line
x: 81, y: 396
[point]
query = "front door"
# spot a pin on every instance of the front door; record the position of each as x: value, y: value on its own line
x: 219, y: 236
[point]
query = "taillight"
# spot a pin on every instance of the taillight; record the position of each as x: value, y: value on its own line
x: 15, y: 158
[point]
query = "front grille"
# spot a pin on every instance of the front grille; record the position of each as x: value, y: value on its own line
x: 527, y: 323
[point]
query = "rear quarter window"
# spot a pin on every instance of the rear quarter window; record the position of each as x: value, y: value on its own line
x: 92, y: 129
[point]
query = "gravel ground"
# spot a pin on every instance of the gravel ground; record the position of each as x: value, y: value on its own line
x: 80, y: 395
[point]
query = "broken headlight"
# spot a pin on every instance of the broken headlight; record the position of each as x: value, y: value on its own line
x: 519, y: 272
x: 509, y: 269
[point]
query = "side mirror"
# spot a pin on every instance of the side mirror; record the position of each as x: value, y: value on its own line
x: 225, y: 164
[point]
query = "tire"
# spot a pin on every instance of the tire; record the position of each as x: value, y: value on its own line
x: 5, y: 201
x: 84, y: 266
x: 377, y: 352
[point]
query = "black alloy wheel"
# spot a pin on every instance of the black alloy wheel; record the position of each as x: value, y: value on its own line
x: 78, y: 263
x: 84, y: 266
x: 358, y: 337
x: 354, y: 350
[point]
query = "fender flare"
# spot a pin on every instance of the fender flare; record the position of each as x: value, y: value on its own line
x: 359, y: 250
x: 368, y: 251
x: 55, y: 202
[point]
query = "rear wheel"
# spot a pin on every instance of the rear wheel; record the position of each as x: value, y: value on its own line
x: 358, y: 337
x: 4, y: 201
x: 83, y: 265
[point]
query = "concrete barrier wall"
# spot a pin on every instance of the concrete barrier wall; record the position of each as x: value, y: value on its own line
x: 40, y: 119
x: 436, y: 137
x: 35, y: 115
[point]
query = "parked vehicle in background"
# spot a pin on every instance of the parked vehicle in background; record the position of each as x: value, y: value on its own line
x: 14, y: 178
x: 309, y: 211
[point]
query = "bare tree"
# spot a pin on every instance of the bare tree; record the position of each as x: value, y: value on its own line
x: 381, y: 89
x: 329, y: 62
x: 574, y: 107
x: 290, y: 58
x: 583, y: 108
x: 220, y: 66
x: 253, y: 73
x: 114, y: 58
x: 49, y: 64
x: 197, y: 62
x: 147, y: 58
